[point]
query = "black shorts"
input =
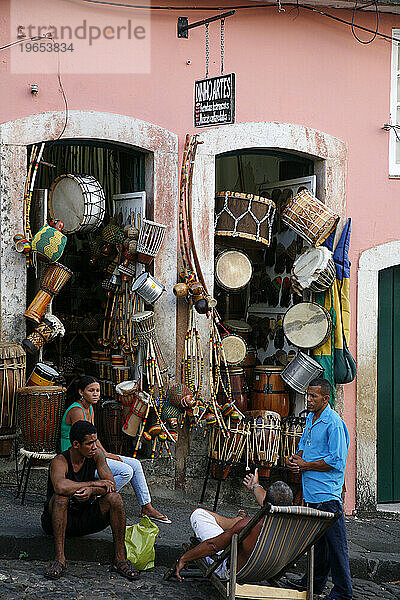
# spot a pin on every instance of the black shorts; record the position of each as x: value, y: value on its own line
x: 82, y: 519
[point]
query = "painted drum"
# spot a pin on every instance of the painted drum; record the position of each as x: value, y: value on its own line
x: 41, y: 375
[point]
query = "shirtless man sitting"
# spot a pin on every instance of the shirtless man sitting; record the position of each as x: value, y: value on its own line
x: 216, y: 531
x: 78, y: 504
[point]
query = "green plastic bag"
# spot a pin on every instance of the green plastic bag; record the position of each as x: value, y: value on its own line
x: 139, y: 543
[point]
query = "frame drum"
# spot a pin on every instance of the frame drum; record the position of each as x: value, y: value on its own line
x: 307, y: 325
x: 233, y: 270
x: 78, y: 201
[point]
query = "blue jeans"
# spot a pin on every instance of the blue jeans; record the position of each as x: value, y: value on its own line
x: 331, y: 554
x: 131, y: 470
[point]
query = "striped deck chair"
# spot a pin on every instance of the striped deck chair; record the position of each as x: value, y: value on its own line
x: 287, y: 533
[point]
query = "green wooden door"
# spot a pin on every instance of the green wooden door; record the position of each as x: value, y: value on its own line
x: 388, y: 443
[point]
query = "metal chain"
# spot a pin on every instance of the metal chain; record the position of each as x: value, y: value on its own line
x: 207, y: 48
x: 222, y: 44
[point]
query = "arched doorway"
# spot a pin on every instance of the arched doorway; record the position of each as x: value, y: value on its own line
x: 161, y: 155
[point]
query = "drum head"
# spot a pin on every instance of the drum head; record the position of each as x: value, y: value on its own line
x: 309, y: 265
x: 307, y: 325
x: 238, y: 326
x: 67, y: 202
x: 235, y: 349
x: 42, y: 368
x: 233, y: 270
x: 142, y: 316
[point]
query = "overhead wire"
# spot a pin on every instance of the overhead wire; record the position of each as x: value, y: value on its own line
x: 375, y: 33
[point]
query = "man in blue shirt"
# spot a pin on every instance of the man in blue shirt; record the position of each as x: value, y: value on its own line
x: 321, y: 459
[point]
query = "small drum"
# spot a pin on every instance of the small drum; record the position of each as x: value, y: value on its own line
x: 12, y: 376
x: 307, y: 325
x: 265, y: 440
x: 234, y: 348
x: 239, y: 327
x: 300, y: 371
x: 269, y: 391
x: 78, y: 201
x: 248, y: 363
x: 117, y: 360
x: 239, y: 388
x: 45, y: 332
x: 40, y: 411
x: 148, y: 288
x: 42, y: 375
x: 49, y: 243
x: 309, y: 217
x: 53, y: 280
x: 151, y: 236
x: 245, y: 216
x: 120, y: 374
x: 315, y: 269
x: 226, y: 448
x: 111, y: 422
x: 127, y: 391
x: 135, y: 413
x: 144, y: 325
x: 233, y: 270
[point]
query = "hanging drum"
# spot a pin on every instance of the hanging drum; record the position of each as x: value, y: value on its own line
x: 314, y: 269
x: 309, y: 217
x: 300, y: 371
x: 245, y: 216
x: 78, y: 201
x: 307, y: 325
x: 234, y: 348
x: 148, y: 288
x: 53, y: 280
x: 239, y: 327
x: 233, y: 270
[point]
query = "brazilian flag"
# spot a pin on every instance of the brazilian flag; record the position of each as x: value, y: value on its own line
x: 334, y: 356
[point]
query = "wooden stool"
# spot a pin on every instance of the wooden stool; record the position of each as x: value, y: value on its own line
x: 26, y: 458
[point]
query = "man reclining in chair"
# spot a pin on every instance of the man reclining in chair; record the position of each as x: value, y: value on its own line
x: 216, y: 531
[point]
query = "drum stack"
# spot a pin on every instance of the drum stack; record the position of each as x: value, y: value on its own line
x: 260, y: 285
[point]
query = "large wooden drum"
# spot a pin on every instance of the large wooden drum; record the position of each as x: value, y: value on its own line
x: 248, y: 364
x: 110, y: 421
x: 238, y: 387
x: 12, y: 376
x: 269, y: 391
x: 40, y: 410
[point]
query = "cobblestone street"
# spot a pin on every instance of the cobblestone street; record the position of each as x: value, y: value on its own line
x: 23, y: 580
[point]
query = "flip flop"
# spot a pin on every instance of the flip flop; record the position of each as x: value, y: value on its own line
x: 55, y: 570
x: 163, y: 519
x: 125, y: 569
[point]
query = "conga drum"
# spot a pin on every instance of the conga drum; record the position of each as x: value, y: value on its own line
x: 239, y: 388
x: 248, y: 364
x: 40, y: 410
x: 12, y: 377
x: 269, y: 390
x: 265, y: 427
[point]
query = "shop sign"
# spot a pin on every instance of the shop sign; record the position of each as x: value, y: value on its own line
x: 214, y: 101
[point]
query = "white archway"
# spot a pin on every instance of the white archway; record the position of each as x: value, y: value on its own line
x: 161, y: 147
x: 371, y: 262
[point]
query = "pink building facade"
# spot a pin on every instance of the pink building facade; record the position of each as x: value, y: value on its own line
x: 304, y: 85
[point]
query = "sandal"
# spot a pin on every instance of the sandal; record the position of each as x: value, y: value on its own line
x: 161, y: 519
x: 125, y: 569
x: 55, y: 570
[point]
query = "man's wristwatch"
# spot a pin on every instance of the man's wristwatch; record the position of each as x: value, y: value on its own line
x: 255, y: 486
